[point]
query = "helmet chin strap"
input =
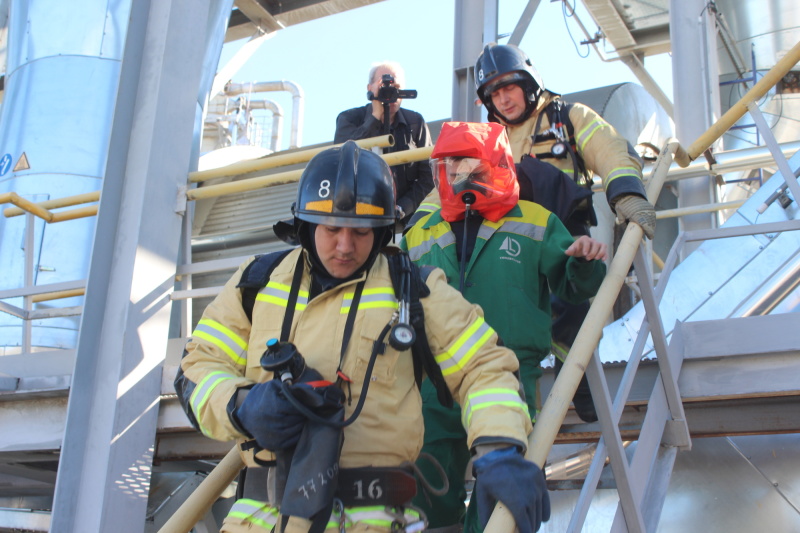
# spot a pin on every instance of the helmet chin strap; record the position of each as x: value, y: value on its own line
x: 468, y: 198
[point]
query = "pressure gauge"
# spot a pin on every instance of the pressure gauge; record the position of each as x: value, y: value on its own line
x: 559, y: 149
x: 402, y: 336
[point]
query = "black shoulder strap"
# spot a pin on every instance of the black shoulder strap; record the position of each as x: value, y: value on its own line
x: 558, y: 112
x: 424, y: 360
x: 256, y: 276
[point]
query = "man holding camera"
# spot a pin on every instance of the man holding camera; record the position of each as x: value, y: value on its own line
x: 413, y: 180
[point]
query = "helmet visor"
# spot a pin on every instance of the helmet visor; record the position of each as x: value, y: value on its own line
x: 503, y: 80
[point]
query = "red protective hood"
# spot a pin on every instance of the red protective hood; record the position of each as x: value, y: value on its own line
x: 485, y: 141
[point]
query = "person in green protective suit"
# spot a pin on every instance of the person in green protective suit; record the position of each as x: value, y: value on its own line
x: 504, y: 254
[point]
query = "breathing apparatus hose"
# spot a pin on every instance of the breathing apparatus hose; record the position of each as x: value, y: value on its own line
x: 468, y: 198
x: 311, y: 415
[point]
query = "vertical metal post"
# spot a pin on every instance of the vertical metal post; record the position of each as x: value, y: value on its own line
x: 696, y: 97
x: 628, y: 500
x: 106, y: 459
x: 659, y: 337
x: 475, y: 25
x: 185, y: 283
x: 30, y: 264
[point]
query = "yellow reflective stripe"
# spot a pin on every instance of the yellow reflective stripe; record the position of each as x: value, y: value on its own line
x: 257, y: 513
x: 490, y: 398
x: 621, y: 171
x: 428, y: 207
x: 223, y: 338
x: 266, y: 516
x: 378, y: 516
x: 586, y: 133
x: 203, y: 391
x: 417, y: 247
x: 278, y: 294
x: 460, y: 353
x: 558, y: 351
x: 380, y: 297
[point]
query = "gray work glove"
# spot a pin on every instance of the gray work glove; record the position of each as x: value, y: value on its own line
x: 633, y: 208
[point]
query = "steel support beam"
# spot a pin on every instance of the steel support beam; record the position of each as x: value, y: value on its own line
x: 696, y: 97
x: 635, y: 63
x: 523, y: 22
x: 475, y: 25
x: 104, y: 471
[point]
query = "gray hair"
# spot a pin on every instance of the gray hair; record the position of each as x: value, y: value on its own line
x: 391, y: 65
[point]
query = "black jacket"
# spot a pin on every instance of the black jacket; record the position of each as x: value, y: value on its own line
x: 413, y: 180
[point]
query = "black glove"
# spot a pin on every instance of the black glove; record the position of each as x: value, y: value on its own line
x: 506, y: 476
x: 268, y: 416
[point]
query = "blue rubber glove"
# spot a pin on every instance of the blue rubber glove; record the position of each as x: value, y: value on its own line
x: 268, y: 416
x: 506, y: 476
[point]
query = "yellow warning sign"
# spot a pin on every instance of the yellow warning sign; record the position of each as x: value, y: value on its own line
x: 22, y: 163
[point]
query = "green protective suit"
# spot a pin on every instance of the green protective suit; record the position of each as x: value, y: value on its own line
x: 516, y: 263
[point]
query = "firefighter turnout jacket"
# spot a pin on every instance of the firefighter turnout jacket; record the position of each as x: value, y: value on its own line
x: 603, y: 150
x: 224, y: 354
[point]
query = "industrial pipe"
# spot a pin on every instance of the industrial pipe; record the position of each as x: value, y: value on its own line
x: 280, y: 160
x: 550, y: 419
x: 232, y: 89
x: 738, y: 110
x: 209, y: 490
x: 277, y: 120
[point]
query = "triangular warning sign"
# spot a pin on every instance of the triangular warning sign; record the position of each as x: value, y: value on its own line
x: 22, y: 163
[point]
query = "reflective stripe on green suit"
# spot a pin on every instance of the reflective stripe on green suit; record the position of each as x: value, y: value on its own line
x: 515, y: 264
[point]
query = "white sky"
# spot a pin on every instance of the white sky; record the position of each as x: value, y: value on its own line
x: 329, y: 58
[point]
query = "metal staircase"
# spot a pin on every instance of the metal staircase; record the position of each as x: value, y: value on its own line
x: 708, y: 369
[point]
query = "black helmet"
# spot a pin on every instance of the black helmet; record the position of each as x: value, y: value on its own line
x: 500, y: 65
x: 346, y: 187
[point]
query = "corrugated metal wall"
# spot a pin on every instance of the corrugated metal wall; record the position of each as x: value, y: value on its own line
x: 249, y: 218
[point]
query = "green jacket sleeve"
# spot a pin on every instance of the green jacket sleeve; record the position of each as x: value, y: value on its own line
x: 570, y: 278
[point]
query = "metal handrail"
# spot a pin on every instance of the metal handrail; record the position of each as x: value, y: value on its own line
x: 737, y: 110
x: 280, y: 160
x: 42, y: 209
x: 291, y: 176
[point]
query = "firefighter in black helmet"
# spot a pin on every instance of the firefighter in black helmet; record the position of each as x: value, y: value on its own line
x: 333, y: 298
x: 575, y: 139
x: 499, y: 66
x: 571, y: 137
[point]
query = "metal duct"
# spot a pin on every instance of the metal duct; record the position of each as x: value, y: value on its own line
x: 60, y: 86
x: 61, y: 83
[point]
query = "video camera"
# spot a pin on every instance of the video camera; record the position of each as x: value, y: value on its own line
x: 388, y: 93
